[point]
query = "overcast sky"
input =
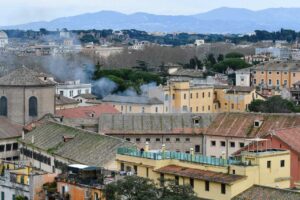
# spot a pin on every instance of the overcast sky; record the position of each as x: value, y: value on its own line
x: 22, y: 11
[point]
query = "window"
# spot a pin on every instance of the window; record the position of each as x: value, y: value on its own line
x: 177, y: 139
x: 166, y: 97
x: 3, y: 106
x: 147, y: 172
x: 192, y: 182
x: 147, y: 139
x: 135, y: 169
x: 33, y: 107
x: 262, y: 81
x: 15, y: 146
x: 122, y: 167
x: 206, y: 185
x: 270, y: 82
x: 168, y: 139
x: 254, y: 81
x: 71, y: 93
x: 262, y: 72
x: 213, y: 143
x: 232, y: 144
x: 143, y: 109
x: 223, y: 188
x: 197, y: 95
x: 61, y: 93
x: 8, y: 147
x: 233, y: 171
x: 268, y: 164
x: 203, y: 95
x: 177, y: 180
x: 157, y: 139
x: 208, y: 107
x: 197, y: 148
x: 121, y: 108
x: 208, y: 94
x: 1, y: 148
x: 129, y: 108
x: 173, y: 96
x: 277, y: 82
x: 137, y: 139
x: 184, y: 108
x: 242, y: 144
x: 184, y: 96
x: 202, y: 108
x: 191, y: 109
x: 294, y: 74
x: 285, y: 82
x: 197, y: 110
x: 285, y: 73
x: 187, y: 139
x: 232, y: 106
x: 162, y: 179
x: 191, y: 95
x: 277, y: 73
x: 2, y: 196
x: 156, y: 109
x: 270, y: 72
x: 223, y: 143
x: 79, y: 91
x: 282, y: 163
x: 254, y: 72
x: 128, y: 139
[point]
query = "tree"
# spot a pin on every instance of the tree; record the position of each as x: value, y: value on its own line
x: 138, y: 188
x: 275, y: 104
x: 233, y: 63
x: 234, y: 55
x: 220, y: 58
x: 211, y: 59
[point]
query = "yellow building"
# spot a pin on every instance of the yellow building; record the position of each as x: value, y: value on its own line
x: 134, y: 104
x: 276, y: 74
x: 183, y: 96
x: 211, y: 178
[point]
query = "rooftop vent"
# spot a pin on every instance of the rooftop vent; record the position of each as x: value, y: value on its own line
x: 257, y: 123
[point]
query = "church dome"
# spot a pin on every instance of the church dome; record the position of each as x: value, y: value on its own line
x: 3, y: 35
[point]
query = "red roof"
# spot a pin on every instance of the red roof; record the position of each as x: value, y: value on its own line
x: 86, y: 111
x: 290, y: 136
x: 200, y: 174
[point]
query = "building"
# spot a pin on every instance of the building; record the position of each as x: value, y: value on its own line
x: 230, y: 132
x: 276, y: 74
x: 243, y: 77
x: 9, y: 133
x: 285, y: 138
x: 295, y: 92
x: 82, y: 99
x: 50, y: 146
x: 211, y: 178
x: 186, y: 96
x: 177, y: 132
x: 3, y: 39
x: 26, y: 95
x: 199, y: 42
x: 134, y: 104
x: 20, y: 180
x: 83, y: 182
x: 73, y: 88
x: 281, y: 53
x: 85, y: 117
x: 62, y: 102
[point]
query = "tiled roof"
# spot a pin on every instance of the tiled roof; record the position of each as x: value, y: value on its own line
x: 86, y: 96
x: 9, y: 129
x: 84, y: 147
x: 86, y: 111
x: 132, y: 99
x: 278, y: 66
x: 62, y: 100
x: 23, y: 76
x: 242, y: 124
x: 235, y: 88
x: 145, y: 123
x: 188, y: 73
x: 200, y: 174
x: 290, y: 136
x: 267, y: 193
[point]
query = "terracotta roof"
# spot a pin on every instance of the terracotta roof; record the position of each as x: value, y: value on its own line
x: 86, y: 111
x: 8, y: 129
x: 267, y: 193
x: 290, y: 136
x: 86, y: 96
x: 82, y: 147
x: 231, y: 89
x: 242, y: 124
x: 132, y: 99
x: 200, y: 174
x: 278, y: 66
x: 23, y: 76
x: 62, y: 100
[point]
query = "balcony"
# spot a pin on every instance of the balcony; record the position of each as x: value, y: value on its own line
x: 167, y: 155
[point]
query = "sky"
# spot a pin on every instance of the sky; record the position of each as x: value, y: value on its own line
x: 23, y: 11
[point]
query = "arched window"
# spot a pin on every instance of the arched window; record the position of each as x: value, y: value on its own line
x: 3, y: 106
x: 33, y: 107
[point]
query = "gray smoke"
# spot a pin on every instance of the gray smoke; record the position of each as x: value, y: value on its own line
x: 104, y: 87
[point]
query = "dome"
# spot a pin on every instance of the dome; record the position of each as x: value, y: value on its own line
x: 3, y: 35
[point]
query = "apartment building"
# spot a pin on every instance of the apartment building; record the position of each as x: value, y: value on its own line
x: 183, y: 96
x: 277, y: 74
x: 211, y: 178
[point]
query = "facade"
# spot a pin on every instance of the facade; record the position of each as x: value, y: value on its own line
x: 274, y: 52
x: 134, y: 104
x: 276, y: 74
x: 19, y: 180
x: 243, y: 77
x: 211, y: 178
x: 73, y: 88
x: 26, y: 95
x: 183, y: 96
x: 287, y: 138
x: 295, y: 92
x: 3, y: 39
x: 82, y: 99
x: 177, y: 132
x: 67, y: 145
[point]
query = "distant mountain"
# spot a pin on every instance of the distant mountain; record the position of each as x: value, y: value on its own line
x: 221, y: 20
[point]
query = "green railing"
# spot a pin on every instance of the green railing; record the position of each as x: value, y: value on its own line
x: 176, y: 156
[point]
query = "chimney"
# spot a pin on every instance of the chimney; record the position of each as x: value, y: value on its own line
x: 32, y: 139
x: 23, y: 135
x: 147, y: 147
x: 223, y: 156
x: 192, y: 151
x: 163, y: 148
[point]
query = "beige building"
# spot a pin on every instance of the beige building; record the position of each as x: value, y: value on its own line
x: 134, y: 104
x: 26, y: 95
x: 183, y: 96
x: 210, y: 178
x: 276, y: 74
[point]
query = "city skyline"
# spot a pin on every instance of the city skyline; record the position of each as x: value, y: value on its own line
x: 24, y: 11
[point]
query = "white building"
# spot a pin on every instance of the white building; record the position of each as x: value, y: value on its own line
x: 243, y: 77
x: 73, y: 88
x: 199, y: 42
x: 3, y: 39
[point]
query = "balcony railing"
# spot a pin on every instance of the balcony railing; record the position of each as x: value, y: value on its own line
x: 167, y: 155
